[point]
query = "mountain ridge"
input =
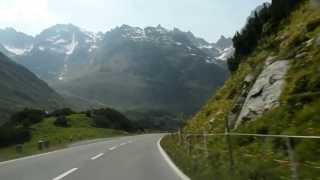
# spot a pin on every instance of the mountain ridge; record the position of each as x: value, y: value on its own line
x: 151, y: 59
x: 21, y: 89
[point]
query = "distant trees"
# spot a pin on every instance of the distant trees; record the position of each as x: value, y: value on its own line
x: 13, y: 135
x: 17, y: 129
x: 62, y: 112
x: 27, y: 117
x: 62, y: 121
x: 262, y: 23
x: 110, y: 118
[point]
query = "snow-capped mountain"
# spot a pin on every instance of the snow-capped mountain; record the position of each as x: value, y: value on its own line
x: 128, y: 67
x: 53, y: 52
x: 15, y: 43
x: 152, y: 68
x: 57, y: 50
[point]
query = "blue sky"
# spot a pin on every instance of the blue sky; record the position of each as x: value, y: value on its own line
x: 205, y: 18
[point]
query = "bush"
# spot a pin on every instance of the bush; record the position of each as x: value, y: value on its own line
x: 313, y: 25
x: 62, y: 121
x: 10, y: 135
x: 62, y: 112
x: 27, y: 117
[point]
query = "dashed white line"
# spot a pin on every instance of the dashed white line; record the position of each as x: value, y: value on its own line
x: 129, y: 142
x: 65, y: 174
x: 97, y: 156
x: 122, y: 144
x: 113, y: 148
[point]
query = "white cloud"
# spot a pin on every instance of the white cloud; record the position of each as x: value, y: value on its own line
x: 26, y: 14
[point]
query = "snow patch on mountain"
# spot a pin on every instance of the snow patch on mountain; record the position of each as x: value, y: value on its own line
x: 72, y: 46
x: 18, y: 51
x: 226, y: 54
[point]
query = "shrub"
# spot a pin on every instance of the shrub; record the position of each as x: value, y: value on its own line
x: 62, y: 121
x: 10, y: 135
x: 27, y: 117
x: 62, y: 112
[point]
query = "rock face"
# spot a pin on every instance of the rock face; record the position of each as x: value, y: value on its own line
x: 318, y: 41
x: 265, y: 93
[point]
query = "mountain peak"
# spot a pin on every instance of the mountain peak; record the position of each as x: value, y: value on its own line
x: 224, y: 42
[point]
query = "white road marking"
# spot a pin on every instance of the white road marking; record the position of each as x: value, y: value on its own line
x: 171, y: 164
x: 97, y: 156
x: 129, y: 142
x: 65, y: 174
x: 122, y: 144
x: 113, y: 148
x: 49, y: 153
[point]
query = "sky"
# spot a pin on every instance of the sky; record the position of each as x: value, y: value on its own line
x: 208, y: 19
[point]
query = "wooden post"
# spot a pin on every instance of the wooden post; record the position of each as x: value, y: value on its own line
x: 179, y: 137
x: 189, y: 145
x: 40, y: 145
x: 205, y: 143
x: 293, y: 162
x: 231, y: 160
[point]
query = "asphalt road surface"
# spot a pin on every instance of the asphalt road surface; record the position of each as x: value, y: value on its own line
x: 125, y: 158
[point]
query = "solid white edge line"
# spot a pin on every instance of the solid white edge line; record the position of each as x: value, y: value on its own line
x: 65, y: 174
x: 170, y: 162
x: 97, y: 156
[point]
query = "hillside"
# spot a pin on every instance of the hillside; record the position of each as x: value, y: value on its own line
x: 20, y: 88
x: 80, y: 128
x: 274, y: 89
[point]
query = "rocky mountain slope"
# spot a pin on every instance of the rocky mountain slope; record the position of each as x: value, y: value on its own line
x: 19, y: 88
x: 151, y: 68
x: 128, y: 67
x: 275, y: 89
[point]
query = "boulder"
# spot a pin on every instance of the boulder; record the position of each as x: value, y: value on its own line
x: 265, y: 93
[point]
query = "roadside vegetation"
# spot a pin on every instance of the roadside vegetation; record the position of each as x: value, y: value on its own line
x: 21, y: 135
x: 296, y: 37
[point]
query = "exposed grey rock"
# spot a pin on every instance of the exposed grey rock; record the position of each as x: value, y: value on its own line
x: 318, y: 41
x: 301, y: 55
x: 232, y: 117
x: 265, y: 93
x: 315, y: 3
x: 249, y: 78
x: 270, y: 60
x: 309, y: 43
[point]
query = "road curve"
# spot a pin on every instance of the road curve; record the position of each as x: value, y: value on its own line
x: 132, y: 158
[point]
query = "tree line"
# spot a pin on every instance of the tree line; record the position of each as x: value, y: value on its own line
x: 264, y: 22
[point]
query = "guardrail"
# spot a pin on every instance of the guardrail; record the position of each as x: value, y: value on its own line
x: 185, y: 140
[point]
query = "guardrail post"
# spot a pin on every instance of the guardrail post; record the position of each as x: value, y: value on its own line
x: 40, y: 145
x: 293, y: 162
x: 47, y: 144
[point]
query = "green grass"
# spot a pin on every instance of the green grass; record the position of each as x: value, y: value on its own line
x: 298, y: 114
x: 81, y: 129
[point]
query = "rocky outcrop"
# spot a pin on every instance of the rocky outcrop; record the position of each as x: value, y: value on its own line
x: 264, y: 94
x: 247, y: 83
x: 318, y: 41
